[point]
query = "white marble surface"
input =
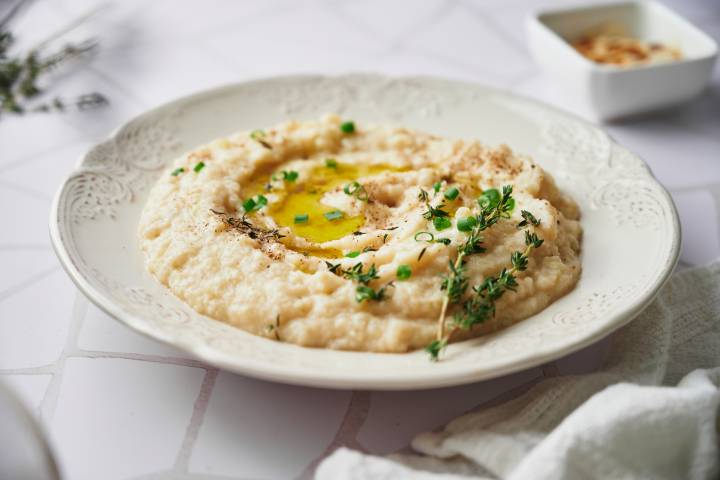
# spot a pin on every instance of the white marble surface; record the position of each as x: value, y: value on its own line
x: 116, y: 405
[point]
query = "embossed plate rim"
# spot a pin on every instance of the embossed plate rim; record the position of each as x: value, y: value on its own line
x: 444, y: 374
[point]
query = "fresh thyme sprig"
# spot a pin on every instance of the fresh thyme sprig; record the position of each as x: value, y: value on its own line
x: 19, y: 76
x: 363, y: 292
x: 432, y: 212
x: 493, y: 206
x: 356, y: 273
x: 481, y: 306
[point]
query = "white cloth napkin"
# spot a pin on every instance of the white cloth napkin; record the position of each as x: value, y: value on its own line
x: 650, y: 411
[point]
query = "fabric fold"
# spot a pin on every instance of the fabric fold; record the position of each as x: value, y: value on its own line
x: 650, y: 410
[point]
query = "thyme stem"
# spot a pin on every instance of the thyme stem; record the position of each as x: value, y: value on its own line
x: 451, y: 284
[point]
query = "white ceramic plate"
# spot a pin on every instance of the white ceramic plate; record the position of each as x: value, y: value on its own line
x: 630, y: 245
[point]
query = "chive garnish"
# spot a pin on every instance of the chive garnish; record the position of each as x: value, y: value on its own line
x: 403, y: 272
x: 347, y: 127
x: 356, y: 190
x: 254, y: 204
x: 352, y: 254
x: 441, y: 223
x: 331, y: 163
x: 466, y: 224
x: 489, y: 199
x: 287, y: 175
x: 451, y: 193
x: 436, y: 187
x: 177, y: 171
x: 302, y: 218
x: 333, y: 215
x: 199, y: 166
x: 424, y: 237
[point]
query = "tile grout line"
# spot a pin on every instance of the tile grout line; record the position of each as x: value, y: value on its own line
x: 24, y: 246
x: 17, y: 288
x: 50, y: 399
x: 47, y: 369
x: 138, y: 357
x: 202, y: 401
x: 484, y: 16
x: 36, y: 156
x: 346, y: 434
x: 25, y: 190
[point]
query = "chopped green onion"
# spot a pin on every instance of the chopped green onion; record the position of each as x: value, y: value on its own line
x: 490, y: 198
x: 302, y: 218
x: 424, y: 237
x: 199, y: 166
x: 441, y: 223
x: 254, y: 204
x: 333, y: 215
x: 331, y: 163
x: 444, y: 241
x: 287, y: 175
x: 356, y: 190
x: 403, y: 272
x: 451, y: 193
x: 177, y: 171
x: 436, y: 186
x: 352, y: 254
x: 351, y: 188
x: 466, y: 224
x: 347, y: 127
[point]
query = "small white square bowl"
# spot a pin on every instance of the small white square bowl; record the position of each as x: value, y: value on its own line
x: 608, y: 92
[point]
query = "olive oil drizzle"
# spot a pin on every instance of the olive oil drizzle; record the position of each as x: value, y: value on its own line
x: 304, y: 197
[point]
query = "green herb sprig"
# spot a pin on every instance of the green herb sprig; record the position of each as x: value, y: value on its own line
x: 481, y: 306
x: 363, y: 291
x: 432, y: 212
x: 493, y: 206
x: 19, y: 75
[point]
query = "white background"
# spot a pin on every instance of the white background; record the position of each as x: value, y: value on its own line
x: 116, y: 405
